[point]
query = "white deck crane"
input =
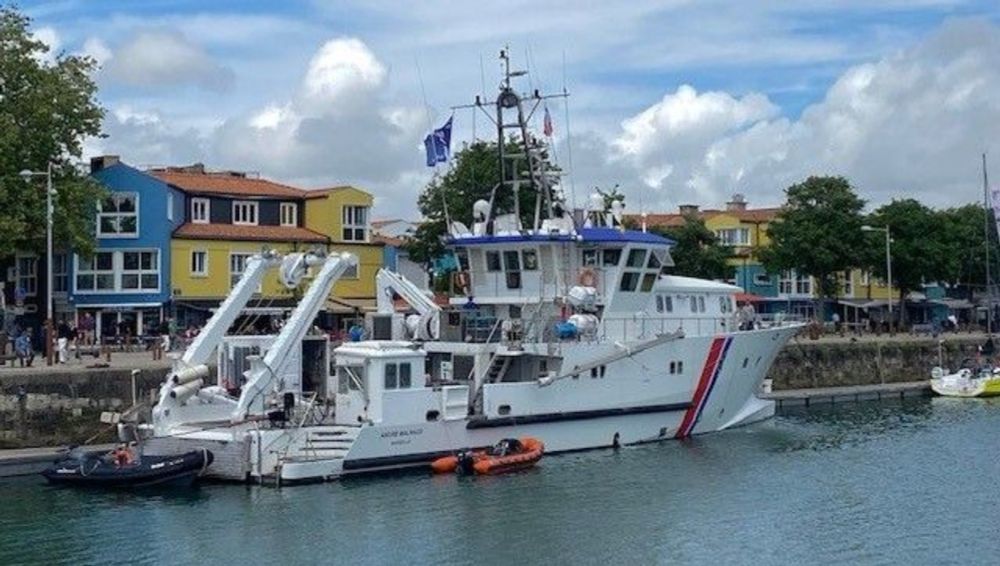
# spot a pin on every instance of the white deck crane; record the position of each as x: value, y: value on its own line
x: 263, y: 370
x: 428, y: 326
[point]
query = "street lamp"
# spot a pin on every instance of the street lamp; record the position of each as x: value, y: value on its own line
x: 888, y: 263
x: 27, y: 174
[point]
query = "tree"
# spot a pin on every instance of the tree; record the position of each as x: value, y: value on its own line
x: 962, y: 227
x: 46, y: 111
x: 921, y: 250
x: 818, y: 232
x: 696, y: 251
x: 475, y: 171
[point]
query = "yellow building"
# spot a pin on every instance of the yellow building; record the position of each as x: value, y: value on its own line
x: 229, y: 216
x: 744, y: 231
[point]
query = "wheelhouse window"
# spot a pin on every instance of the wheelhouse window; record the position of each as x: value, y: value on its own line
x: 648, y: 280
x: 118, y: 216
x: 636, y: 258
x: 611, y: 258
x: 397, y: 376
x: 245, y: 212
x: 200, y: 210
x: 355, y: 221
x: 630, y: 280
x: 493, y: 261
x: 530, y: 260
x: 140, y: 271
x: 512, y: 260
x: 96, y: 273
x: 289, y: 214
x: 589, y: 258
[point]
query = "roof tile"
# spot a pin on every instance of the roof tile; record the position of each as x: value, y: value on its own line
x: 249, y: 233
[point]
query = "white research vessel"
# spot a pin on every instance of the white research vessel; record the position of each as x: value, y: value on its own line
x: 566, y: 330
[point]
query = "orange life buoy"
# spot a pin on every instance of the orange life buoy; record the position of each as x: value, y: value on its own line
x: 588, y: 277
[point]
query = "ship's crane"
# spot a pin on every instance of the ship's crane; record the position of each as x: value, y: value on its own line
x: 263, y: 370
x: 389, y: 283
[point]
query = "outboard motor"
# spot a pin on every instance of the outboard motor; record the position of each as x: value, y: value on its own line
x: 466, y: 463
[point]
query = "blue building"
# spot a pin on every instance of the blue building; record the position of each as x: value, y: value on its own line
x: 126, y: 284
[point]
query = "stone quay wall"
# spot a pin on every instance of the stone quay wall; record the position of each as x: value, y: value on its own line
x: 803, y: 364
x: 48, y: 409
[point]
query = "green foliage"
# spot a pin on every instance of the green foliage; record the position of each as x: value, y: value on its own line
x: 46, y: 111
x: 696, y: 252
x: 921, y: 250
x: 963, y: 227
x: 818, y: 232
x: 473, y: 175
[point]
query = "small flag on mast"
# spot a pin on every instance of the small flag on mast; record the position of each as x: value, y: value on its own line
x: 547, y: 128
x: 438, y: 145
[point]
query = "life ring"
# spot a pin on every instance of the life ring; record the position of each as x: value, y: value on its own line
x: 587, y: 277
x: 462, y: 281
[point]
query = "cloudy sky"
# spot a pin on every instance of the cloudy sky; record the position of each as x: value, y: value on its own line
x: 676, y: 101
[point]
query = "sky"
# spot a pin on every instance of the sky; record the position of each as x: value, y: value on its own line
x: 673, y: 101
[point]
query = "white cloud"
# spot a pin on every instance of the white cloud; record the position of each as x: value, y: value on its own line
x: 910, y: 124
x: 163, y: 57
x: 96, y: 49
x: 336, y: 127
x: 50, y: 37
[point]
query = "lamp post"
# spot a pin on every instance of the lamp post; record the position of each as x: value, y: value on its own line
x: 888, y: 264
x: 27, y: 174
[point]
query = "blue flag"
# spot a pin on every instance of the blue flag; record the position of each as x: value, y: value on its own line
x: 438, y: 145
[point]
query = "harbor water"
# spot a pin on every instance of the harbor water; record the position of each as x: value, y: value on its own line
x: 908, y: 482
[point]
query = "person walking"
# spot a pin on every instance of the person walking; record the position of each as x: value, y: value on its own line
x: 63, y: 334
x: 87, y: 325
x: 23, y: 348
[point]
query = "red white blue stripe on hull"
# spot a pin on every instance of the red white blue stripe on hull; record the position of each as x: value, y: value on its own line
x: 706, y: 383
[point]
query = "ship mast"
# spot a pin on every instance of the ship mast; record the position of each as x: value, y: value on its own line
x: 512, y: 113
x: 986, y: 232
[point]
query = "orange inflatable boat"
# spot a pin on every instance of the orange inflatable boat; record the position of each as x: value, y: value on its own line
x: 508, y: 455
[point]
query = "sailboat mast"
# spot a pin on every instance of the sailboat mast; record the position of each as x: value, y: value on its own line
x: 986, y: 232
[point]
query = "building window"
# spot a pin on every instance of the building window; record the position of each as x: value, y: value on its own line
x: 792, y: 283
x: 733, y: 236
x: 27, y: 275
x: 289, y: 214
x: 351, y: 272
x: 761, y: 279
x: 848, y: 284
x: 200, y: 210
x: 199, y: 263
x: 118, y: 216
x: 60, y: 273
x: 866, y: 279
x: 96, y: 273
x: 140, y: 271
x: 237, y: 265
x: 244, y: 212
x: 170, y: 206
x: 355, y: 223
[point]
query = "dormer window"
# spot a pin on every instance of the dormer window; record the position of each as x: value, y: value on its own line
x: 245, y: 212
x: 200, y: 210
x: 289, y: 214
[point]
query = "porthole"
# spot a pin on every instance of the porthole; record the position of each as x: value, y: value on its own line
x: 504, y: 410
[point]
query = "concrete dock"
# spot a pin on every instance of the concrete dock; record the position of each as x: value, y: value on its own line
x: 30, y: 461
x: 850, y: 393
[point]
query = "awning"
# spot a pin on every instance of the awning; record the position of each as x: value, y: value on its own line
x: 954, y: 304
x: 748, y: 298
x: 855, y: 303
x: 350, y: 306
